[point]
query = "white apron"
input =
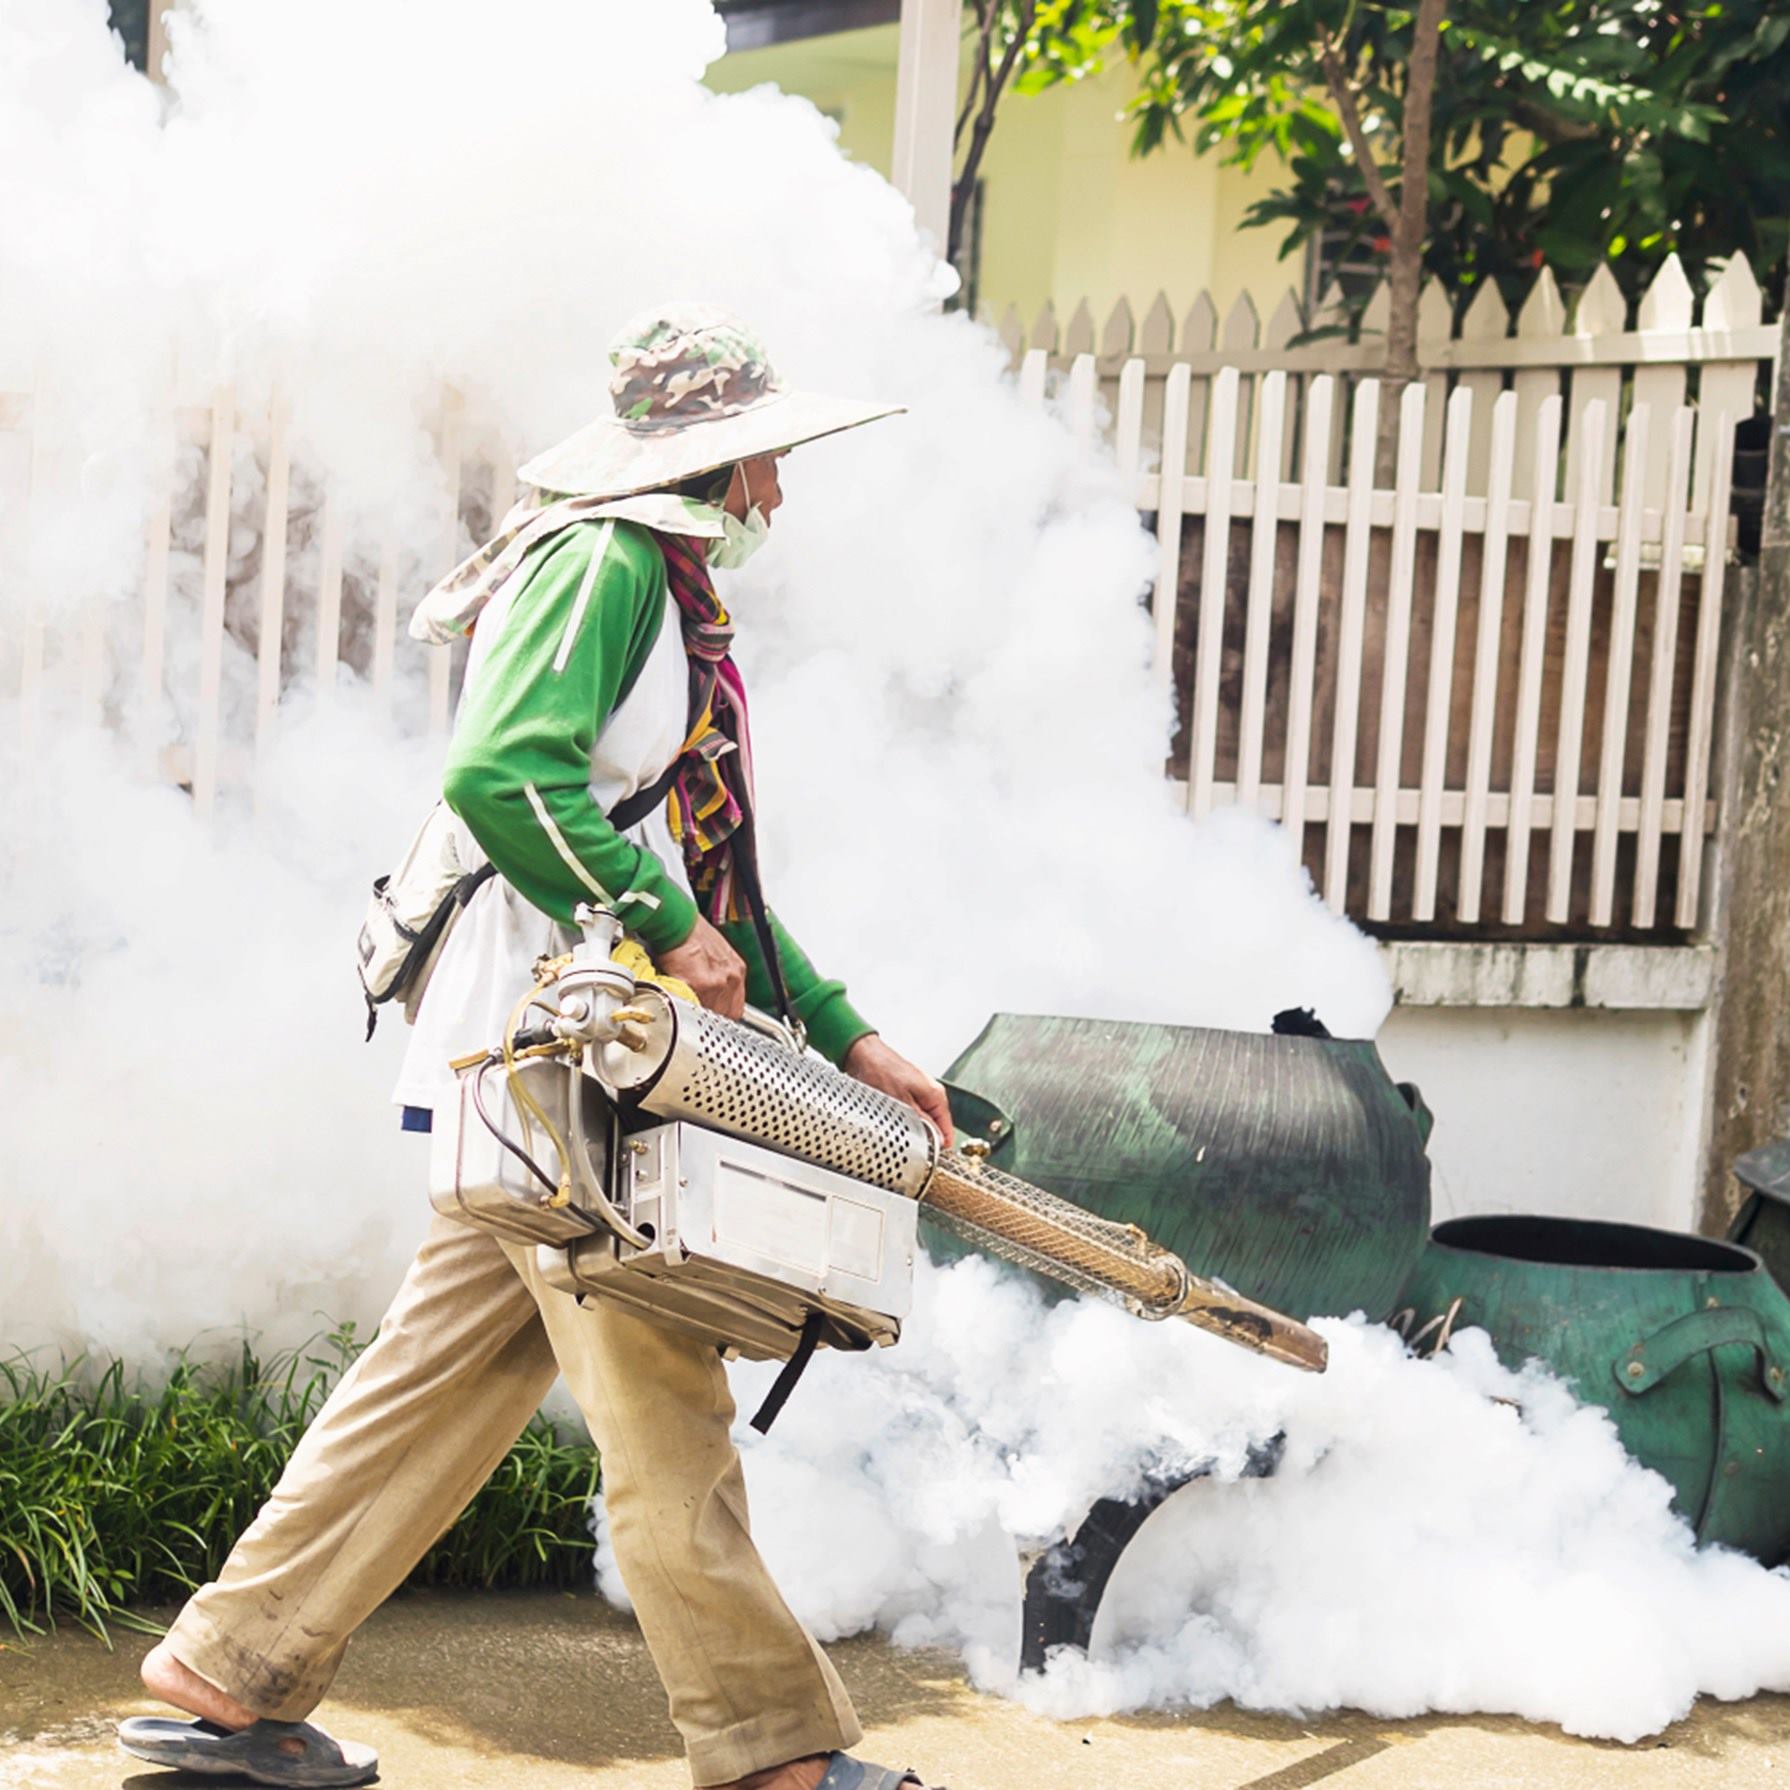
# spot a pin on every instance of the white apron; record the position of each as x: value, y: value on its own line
x: 488, y: 962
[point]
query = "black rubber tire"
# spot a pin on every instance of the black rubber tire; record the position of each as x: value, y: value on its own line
x: 1065, y: 1586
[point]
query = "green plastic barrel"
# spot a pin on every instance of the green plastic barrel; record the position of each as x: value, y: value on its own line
x: 1682, y: 1339
x: 1292, y: 1167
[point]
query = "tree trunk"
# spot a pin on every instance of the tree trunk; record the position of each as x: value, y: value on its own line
x: 1750, y: 1095
x: 1409, y: 229
x: 1404, y: 285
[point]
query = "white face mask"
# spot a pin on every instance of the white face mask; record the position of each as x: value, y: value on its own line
x: 739, y: 540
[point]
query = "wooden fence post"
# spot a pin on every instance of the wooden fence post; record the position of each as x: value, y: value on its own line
x: 1750, y: 1079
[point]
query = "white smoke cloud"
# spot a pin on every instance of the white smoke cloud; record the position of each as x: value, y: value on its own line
x: 1439, y: 1534
x: 960, y: 750
x: 195, y: 1136
x: 960, y: 746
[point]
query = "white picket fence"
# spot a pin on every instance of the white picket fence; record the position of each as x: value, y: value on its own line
x: 1463, y: 694
x: 1718, y: 354
x: 77, y: 669
x: 1447, y: 752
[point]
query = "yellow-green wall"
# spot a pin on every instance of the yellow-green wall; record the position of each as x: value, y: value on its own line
x: 1068, y: 212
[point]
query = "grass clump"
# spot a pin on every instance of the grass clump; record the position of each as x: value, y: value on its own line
x: 114, y: 1494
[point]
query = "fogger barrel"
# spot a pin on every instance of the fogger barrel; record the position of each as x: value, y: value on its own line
x: 678, y: 1062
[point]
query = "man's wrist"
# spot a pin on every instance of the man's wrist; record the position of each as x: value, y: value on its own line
x: 664, y: 927
x: 834, y: 1026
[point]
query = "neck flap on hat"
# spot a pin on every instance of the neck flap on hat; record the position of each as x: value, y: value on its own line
x: 450, y: 609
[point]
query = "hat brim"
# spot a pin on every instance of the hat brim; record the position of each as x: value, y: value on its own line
x: 608, y: 459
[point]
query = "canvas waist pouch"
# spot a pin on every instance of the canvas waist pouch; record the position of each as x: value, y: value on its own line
x: 411, y: 912
x: 414, y: 907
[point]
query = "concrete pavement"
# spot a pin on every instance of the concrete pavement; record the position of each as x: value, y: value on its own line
x: 551, y: 1691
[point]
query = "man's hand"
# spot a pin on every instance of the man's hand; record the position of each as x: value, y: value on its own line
x: 874, y: 1063
x: 712, y: 967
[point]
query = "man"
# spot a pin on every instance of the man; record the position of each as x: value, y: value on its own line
x: 599, y: 664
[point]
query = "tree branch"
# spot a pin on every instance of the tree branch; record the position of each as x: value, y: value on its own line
x: 983, y: 128
x: 1336, y: 78
x: 1549, y: 126
x: 979, y: 72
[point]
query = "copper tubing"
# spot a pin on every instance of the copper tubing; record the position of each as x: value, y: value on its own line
x: 1095, y: 1253
x: 977, y: 1197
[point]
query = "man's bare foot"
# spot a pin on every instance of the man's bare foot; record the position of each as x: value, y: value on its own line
x: 166, y: 1677
x: 795, y: 1774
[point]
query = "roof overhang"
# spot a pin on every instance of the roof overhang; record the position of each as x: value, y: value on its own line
x: 755, y: 24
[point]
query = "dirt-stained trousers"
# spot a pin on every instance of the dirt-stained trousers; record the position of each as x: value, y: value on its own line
x: 462, y: 1359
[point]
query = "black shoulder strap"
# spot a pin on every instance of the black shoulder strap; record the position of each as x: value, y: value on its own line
x: 470, y: 884
x: 745, y: 867
x: 635, y: 808
x: 630, y: 811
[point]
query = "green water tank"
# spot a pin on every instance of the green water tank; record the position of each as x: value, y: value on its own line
x: 1292, y: 1167
x: 1682, y: 1339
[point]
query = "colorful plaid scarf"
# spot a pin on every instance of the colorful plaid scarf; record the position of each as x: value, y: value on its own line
x: 713, y: 792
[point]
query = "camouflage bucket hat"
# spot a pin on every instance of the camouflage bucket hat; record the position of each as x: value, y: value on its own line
x: 693, y: 391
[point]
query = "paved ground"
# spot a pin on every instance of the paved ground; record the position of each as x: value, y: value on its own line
x: 551, y: 1691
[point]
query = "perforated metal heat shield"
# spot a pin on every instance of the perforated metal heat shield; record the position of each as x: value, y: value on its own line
x: 738, y: 1081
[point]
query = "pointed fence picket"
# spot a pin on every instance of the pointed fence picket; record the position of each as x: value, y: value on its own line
x: 1252, y: 719
x: 1394, y: 651
x: 1488, y: 646
x: 329, y: 598
x: 270, y: 630
x: 1357, y: 538
x: 208, y: 726
x: 1302, y: 671
x: 1663, y: 677
x: 1439, y: 702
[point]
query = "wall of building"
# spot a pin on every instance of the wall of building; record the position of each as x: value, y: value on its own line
x: 1068, y: 212
x: 1579, y: 1112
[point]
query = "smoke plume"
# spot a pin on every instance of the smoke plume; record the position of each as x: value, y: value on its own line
x: 960, y: 750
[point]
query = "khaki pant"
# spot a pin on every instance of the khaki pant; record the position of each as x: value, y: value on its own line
x: 467, y: 1352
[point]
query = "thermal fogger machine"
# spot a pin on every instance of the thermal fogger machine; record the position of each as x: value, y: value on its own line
x: 712, y: 1175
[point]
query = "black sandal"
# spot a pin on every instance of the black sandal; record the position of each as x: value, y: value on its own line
x: 846, y: 1773
x: 262, y: 1751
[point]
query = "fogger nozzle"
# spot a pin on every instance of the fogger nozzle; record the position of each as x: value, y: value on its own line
x: 1056, y: 1237
x: 685, y: 1062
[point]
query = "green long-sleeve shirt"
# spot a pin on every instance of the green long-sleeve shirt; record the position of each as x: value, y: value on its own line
x: 574, y: 641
